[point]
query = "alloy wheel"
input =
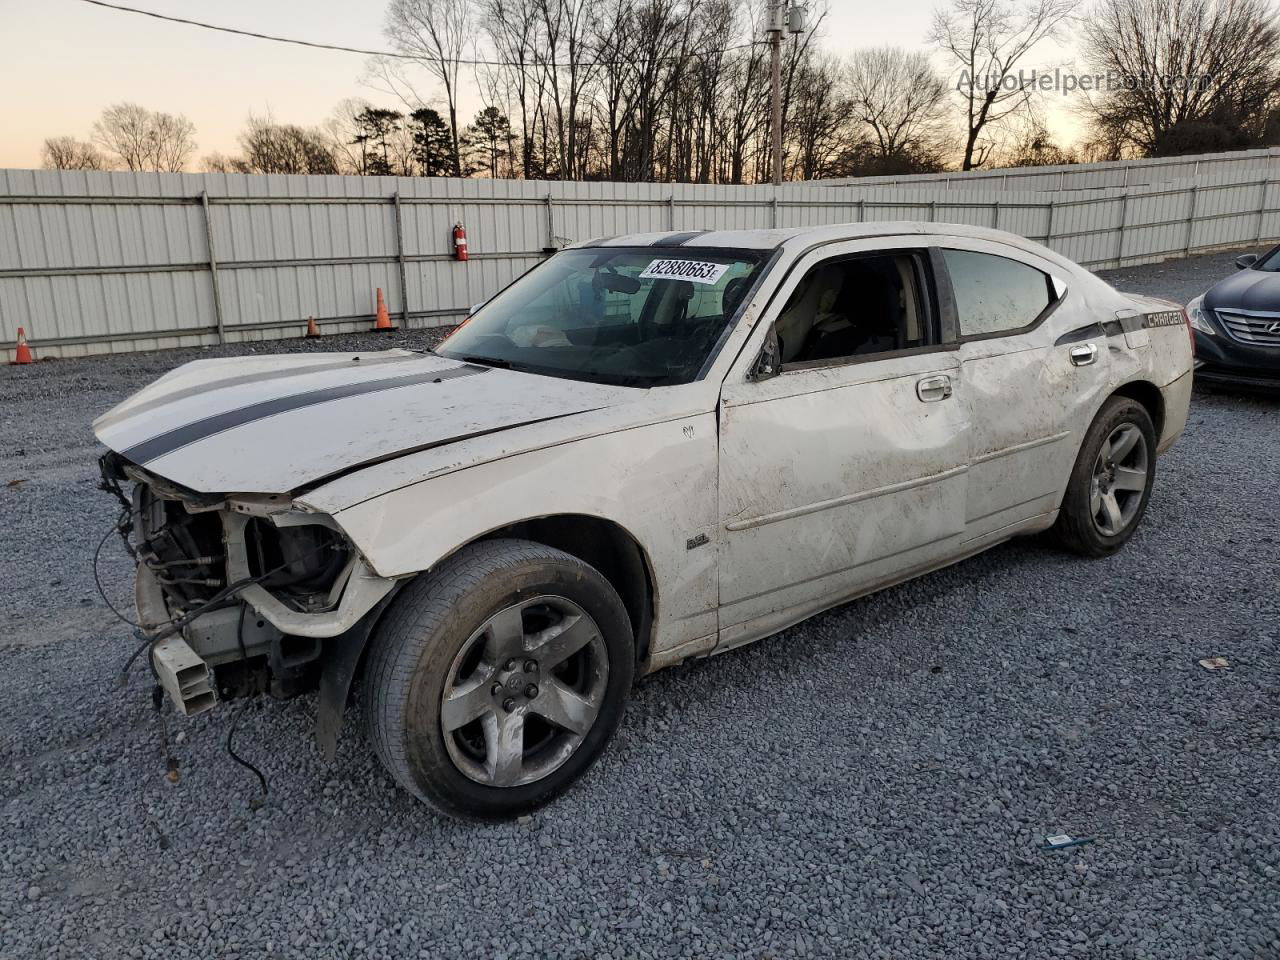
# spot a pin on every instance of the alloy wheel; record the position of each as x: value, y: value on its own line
x: 524, y: 691
x: 1119, y: 480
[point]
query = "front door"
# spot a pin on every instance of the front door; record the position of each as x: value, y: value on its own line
x: 846, y: 469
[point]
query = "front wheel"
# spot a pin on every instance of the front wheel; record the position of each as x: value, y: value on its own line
x: 1111, y: 482
x: 497, y: 679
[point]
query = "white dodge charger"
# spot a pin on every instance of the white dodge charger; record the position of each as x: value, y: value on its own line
x: 646, y: 449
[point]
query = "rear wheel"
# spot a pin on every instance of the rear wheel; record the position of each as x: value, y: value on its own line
x: 498, y: 678
x: 1111, y: 482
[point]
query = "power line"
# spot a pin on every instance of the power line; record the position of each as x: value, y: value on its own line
x: 388, y: 53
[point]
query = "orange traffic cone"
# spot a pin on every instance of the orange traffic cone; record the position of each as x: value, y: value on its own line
x: 383, y: 322
x: 312, y: 329
x: 21, y: 352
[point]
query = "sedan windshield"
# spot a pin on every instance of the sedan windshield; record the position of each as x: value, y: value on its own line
x: 621, y: 315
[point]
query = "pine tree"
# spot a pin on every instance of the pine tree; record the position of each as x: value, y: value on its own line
x: 432, y: 144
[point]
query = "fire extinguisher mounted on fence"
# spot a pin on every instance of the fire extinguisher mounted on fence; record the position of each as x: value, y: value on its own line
x: 459, y: 241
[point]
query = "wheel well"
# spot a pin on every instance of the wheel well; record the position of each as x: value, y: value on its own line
x: 608, y: 548
x: 1147, y: 394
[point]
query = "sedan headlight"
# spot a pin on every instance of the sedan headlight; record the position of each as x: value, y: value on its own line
x: 1199, y: 316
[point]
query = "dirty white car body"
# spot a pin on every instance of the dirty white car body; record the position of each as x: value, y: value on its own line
x: 763, y: 490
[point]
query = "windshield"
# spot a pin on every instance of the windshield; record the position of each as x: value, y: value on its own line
x: 621, y: 315
x: 1270, y: 262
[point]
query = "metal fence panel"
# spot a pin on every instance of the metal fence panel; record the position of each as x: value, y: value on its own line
x: 106, y: 262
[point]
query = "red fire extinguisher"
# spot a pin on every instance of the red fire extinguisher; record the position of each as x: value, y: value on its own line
x: 459, y: 241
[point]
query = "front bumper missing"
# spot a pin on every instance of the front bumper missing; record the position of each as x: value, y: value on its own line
x: 183, y: 663
x: 363, y: 590
x: 256, y: 621
x: 183, y: 673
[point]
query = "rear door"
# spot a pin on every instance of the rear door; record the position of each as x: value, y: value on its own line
x: 847, y: 467
x: 1025, y: 387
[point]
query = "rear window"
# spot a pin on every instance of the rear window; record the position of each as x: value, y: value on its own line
x: 995, y: 294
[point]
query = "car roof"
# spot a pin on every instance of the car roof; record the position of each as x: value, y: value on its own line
x: 804, y: 237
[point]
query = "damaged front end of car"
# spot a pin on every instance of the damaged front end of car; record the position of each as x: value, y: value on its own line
x: 244, y: 594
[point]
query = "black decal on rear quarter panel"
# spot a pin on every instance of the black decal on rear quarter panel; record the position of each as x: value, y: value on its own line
x: 1111, y: 328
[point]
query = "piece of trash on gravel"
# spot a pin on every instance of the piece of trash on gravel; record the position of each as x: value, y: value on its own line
x: 1060, y: 841
x: 1215, y: 663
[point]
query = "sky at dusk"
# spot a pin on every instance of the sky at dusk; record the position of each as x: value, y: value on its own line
x: 63, y: 61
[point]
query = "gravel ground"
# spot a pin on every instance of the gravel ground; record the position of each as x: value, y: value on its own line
x: 1179, y: 280
x: 875, y: 782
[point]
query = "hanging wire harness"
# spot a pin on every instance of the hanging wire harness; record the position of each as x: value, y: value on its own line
x: 177, y: 539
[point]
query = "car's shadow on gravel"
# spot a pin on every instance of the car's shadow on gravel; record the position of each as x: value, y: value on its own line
x: 841, y: 635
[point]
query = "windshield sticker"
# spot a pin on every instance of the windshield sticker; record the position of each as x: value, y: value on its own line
x: 692, y: 270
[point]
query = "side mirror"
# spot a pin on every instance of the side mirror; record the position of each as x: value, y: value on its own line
x: 769, y: 360
x: 1246, y: 260
x: 475, y: 307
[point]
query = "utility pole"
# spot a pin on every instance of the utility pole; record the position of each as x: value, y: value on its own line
x: 779, y: 18
x: 776, y: 17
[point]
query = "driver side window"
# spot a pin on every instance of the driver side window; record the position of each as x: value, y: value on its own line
x: 855, y: 307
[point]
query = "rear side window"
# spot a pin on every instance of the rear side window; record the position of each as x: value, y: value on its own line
x: 995, y: 294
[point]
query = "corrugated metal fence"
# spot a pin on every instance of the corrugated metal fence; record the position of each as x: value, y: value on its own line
x: 95, y: 262
x: 1094, y: 176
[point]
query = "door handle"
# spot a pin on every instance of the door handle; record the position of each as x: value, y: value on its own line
x: 933, y: 389
x: 1084, y: 354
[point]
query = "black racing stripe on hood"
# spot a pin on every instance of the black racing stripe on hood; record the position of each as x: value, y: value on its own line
x: 421, y: 447
x: 350, y: 363
x: 179, y: 437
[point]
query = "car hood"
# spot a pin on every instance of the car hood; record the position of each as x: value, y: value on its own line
x: 1246, y: 290
x: 273, y: 424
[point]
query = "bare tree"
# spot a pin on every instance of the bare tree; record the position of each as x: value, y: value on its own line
x: 644, y: 90
x: 173, y: 141
x: 569, y: 71
x: 1194, y: 73
x: 639, y: 45
x: 221, y: 163
x: 988, y: 39
x: 745, y: 104
x: 342, y: 129
x: 68, y: 153
x: 125, y: 131
x: 512, y: 28
x: 1032, y: 145
x: 820, y: 127
x: 900, y: 100
x: 271, y: 147
x: 435, y: 33
x: 143, y: 139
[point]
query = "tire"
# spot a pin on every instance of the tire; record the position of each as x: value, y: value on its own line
x: 1087, y: 524
x: 454, y: 631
